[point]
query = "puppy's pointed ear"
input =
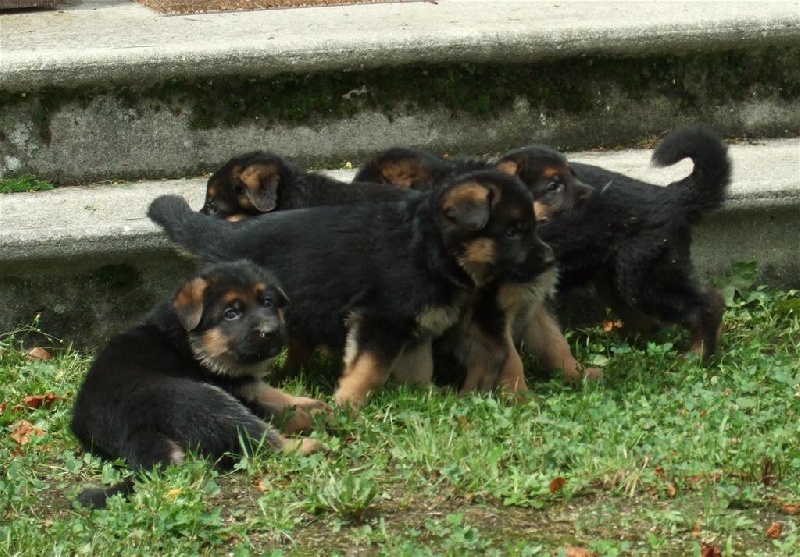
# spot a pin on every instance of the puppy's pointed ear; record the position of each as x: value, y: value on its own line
x: 468, y: 204
x: 511, y: 165
x: 188, y: 303
x: 261, y: 183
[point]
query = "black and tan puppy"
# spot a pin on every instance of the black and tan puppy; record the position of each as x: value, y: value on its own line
x: 555, y: 189
x: 380, y: 281
x: 632, y: 239
x: 261, y: 182
x: 189, y: 378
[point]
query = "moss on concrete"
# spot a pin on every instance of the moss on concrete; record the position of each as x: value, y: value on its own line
x: 575, y: 85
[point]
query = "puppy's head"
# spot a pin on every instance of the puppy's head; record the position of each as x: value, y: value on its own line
x: 232, y: 314
x: 548, y: 176
x: 407, y: 168
x: 486, y: 222
x: 245, y: 186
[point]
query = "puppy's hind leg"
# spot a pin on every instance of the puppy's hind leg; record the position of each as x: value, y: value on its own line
x: 369, y: 351
x: 707, y: 332
x: 543, y: 337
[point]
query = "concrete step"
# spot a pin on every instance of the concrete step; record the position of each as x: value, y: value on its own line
x: 107, y: 89
x: 88, y: 261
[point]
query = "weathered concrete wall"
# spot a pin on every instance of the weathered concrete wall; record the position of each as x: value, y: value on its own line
x: 179, y: 128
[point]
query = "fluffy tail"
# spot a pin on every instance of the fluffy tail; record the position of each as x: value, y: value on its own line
x: 196, y: 233
x: 706, y: 187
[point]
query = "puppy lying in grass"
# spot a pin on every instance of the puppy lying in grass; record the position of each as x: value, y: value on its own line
x: 190, y: 378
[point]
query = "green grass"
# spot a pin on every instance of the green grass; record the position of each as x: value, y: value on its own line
x: 663, y: 456
x: 22, y: 184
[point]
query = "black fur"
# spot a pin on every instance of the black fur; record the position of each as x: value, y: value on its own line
x: 373, y: 270
x: 164, y: 387
x: 632, y: 239
x: 261, y: 182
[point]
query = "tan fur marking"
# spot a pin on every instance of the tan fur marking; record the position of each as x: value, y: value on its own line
x: 211, y: 190
x: 551, y: 171
x: 509, y: 167
x: 298, y: 412
x: 512, y: 374
x: 215, y: 343
x: 188, y: 303
x: 403, y: 173
x: 483, y: 357
x: 478, y: 260
x: 362, y: 377
x: 545, y: 339
x: 543, y: 211
x: 253, y: 175
x: 237, y: 218
x: 466, y: 193
x: 232, y: 296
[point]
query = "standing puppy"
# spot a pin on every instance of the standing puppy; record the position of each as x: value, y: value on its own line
x: 380, y: 281
x: 189, y: 378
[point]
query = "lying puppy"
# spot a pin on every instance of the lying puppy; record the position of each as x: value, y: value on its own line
x: 189, y: 378
x: 380, y: 281
x: 632, y: 239
x: 555, y: 189
x: 261, y: 182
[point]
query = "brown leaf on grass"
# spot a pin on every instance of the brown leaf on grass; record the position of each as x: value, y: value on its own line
x: 710, y: 550
x: 37, y: 354
x: 22, y: 430
x: 33, y: 402
x: 791, y: 509
x: 775, y: 531
x: 260, y: 485
x: 609, y: 326
x: 572, y: 551
x: 557, y: 484
x: 3, y: 407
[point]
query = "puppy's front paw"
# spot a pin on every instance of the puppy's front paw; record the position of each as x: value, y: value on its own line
x: 303, y: 413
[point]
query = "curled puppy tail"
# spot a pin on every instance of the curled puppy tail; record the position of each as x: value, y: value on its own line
x: 706, y: 187
x: 194, y: 232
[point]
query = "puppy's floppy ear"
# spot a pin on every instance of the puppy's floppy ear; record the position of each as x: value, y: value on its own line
x: 468, y: 204
x: 261, y: 183
x: 188, y: 303
x: 511, y: 165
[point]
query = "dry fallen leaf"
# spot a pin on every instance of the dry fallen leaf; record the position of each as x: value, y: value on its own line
x: 775, y: 531
x: 3, y: 407
x: 572, y: 551
x: 260, y: 485
x: 36, y: 401
x: 37, y: 353
x: 557, y: 484
x: 609, y: 326
x: 22, y: 431
x: 791, y: 509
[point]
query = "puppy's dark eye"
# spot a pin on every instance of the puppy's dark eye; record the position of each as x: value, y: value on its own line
x: 554, y: 185
x: 513, y: 231
x: 232, y: 313
x: 267, y: 302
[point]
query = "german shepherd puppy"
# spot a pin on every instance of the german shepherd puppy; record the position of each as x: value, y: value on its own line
x: 261, y: 182
x: 380, y: 281
x: 555, y: 189
x: 632, y: 240
x: 189, y: 378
